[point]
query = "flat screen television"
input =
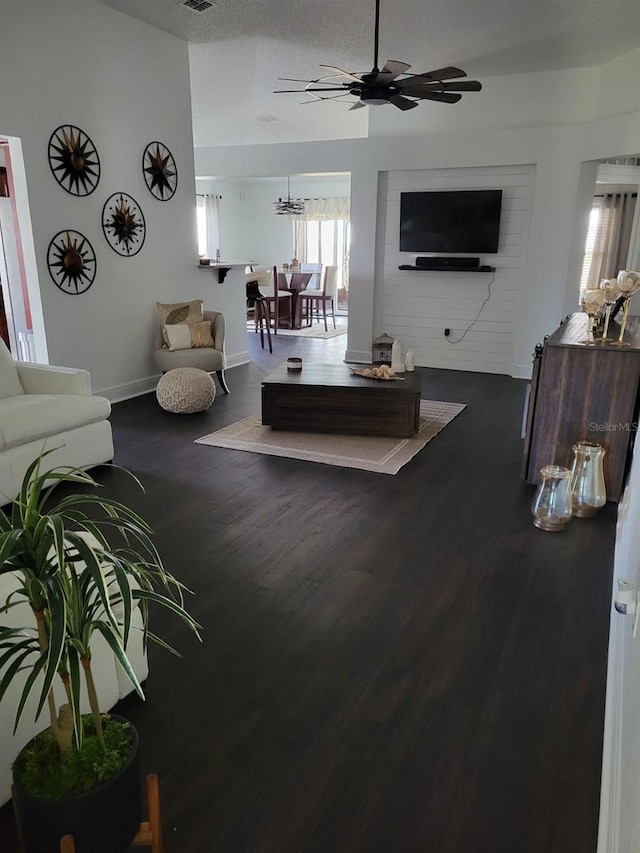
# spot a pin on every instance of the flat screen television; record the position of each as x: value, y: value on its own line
x: 450, y: 222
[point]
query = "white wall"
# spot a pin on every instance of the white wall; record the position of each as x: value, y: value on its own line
x: 416, y: 306
x: 249, y: 229
x: 125, y: 84
x: 619, y: 830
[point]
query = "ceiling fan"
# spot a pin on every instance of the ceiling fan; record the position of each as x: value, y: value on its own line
x: 389, y: 85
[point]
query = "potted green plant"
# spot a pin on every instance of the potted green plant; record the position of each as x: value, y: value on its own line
x: 77, y: 584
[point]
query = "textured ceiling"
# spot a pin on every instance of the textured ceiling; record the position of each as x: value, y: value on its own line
x: 238, y: 51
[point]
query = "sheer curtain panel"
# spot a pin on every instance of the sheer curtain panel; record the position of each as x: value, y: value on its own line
x: 210, y: 239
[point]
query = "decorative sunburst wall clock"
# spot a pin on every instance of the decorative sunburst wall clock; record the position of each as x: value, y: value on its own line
x: 71, y: 262
x: 160, y: 171
x: 123, y: 224
x: 74, y: 160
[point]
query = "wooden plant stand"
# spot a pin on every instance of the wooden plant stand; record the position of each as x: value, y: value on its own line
x: 149, y: 834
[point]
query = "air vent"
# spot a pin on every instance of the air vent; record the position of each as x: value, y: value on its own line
x: 198, y: 5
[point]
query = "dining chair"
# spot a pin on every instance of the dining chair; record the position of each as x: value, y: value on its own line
x: 322, y: 297
x: 316, y: 269
x: 279, y: 299
x: 258, y: 307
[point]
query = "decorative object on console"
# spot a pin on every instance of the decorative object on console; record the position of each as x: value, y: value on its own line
x: 74, y: 160
x: 409, y: 361
x: 593, y: 303
x: 71, y: 262
x: 123, y: 224
x: 551, y: 506
x: 628, y: 284
x: 587, y: 479
x: 160, y: 171
x: 388, y: 85
x: 382, y: 349
x: 292, y: 206
x: 294, y: 363
x: 612, y: 294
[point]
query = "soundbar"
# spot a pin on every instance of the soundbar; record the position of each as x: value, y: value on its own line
x: 444, y: 261
x: 483, y: 268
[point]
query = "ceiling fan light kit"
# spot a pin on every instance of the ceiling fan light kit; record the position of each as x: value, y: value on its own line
x: 390, y: 85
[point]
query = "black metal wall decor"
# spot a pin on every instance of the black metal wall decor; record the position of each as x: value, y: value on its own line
x: 74, y: 160
x: 71, y: 262
x: 160, y: 171
x: 123, y: 224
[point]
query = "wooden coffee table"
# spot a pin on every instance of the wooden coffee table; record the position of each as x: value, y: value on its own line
x: 329, y: 398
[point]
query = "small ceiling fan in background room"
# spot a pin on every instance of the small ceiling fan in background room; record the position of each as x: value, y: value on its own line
x: 390, y: 84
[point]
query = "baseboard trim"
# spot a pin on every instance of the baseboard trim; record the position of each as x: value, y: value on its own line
x: 358, y: 356
x: 238, y: 358
x: 522, y: 371
x: 611, y: 782
x: 128, y: 390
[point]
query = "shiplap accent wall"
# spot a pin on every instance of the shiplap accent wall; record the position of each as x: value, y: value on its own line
x: 416, y: 307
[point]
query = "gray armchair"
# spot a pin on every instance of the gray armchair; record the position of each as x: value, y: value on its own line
x: 209, y: 359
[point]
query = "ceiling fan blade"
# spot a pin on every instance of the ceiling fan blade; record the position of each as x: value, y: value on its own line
x: 338, y: 89
x: 317, y: 98
x: 412, y: 83
x: 463, y: 86
x: 357, y: 106
x: 402, y: 103
x: 443, y: 97
x: 341, y: 73
x: 391, y: 70
x: 296, y: 80
x: 448, y: 73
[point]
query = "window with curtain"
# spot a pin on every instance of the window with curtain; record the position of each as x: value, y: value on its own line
x: 322, y: 235
x: 208, y: 225
x: 608, y: 238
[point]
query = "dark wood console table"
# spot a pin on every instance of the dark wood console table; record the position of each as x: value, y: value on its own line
x: 583, y: 392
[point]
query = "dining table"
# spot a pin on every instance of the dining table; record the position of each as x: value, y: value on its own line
x: 295, y: 281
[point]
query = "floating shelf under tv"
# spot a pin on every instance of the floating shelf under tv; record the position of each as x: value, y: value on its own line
x: 447, y: 269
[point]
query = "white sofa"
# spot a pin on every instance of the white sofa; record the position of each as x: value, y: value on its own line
x: 48, y: 407
x: 111, y: 684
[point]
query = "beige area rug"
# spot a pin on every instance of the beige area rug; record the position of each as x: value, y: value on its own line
x: 369, y: 453
x: 315, y: 331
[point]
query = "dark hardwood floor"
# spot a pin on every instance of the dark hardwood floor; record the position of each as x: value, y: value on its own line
x: 388, y: 663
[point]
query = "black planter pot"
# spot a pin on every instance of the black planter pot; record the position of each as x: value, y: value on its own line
x: 104, y: 820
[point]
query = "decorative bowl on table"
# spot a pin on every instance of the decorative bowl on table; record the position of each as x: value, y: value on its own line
x: 383, y: 371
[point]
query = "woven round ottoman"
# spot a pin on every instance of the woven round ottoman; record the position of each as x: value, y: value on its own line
x: 185, y: 390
